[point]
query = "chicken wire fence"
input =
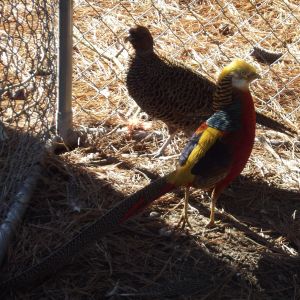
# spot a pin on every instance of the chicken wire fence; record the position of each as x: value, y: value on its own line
x: 205, y: 35
x: 27, y: 94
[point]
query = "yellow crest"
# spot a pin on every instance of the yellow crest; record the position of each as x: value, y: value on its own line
x: 237, y: 65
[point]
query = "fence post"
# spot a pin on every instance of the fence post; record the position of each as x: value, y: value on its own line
x: 64, y: 126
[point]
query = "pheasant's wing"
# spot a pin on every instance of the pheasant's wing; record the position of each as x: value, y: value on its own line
x: 213, y: 166
x: 196, y: 149
x: 183, y: 85
x: 203, y: 156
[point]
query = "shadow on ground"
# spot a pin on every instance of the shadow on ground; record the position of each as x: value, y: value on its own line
x: 247, y: 256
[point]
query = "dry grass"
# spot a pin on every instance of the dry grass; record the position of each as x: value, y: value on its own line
x: 254, y: 252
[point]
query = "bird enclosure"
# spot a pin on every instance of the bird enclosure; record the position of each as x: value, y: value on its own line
x: 253, y: 253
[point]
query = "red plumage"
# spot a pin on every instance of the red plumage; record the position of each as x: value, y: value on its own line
x: 241, y: 142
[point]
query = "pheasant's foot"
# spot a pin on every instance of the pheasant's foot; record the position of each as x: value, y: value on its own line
x: 212, y: 224
x: 184, y: 220
x: 184, y: 214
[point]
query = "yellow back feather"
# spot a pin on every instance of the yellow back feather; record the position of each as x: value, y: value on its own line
x: 183, y: 176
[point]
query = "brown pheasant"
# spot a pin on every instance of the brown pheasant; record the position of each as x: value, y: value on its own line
x: 169, y: 91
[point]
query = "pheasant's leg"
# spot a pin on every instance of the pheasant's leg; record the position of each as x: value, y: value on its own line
x: 184, y: 215
x: 214, y: 198
x: 162, y: 149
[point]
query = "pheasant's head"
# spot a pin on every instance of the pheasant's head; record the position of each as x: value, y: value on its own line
x: 242, y: 74
x: 141, y: 39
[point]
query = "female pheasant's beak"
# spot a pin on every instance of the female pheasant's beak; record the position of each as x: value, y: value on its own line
x: 128, y: 39
x: 141, y: 39
x: 132, y: 35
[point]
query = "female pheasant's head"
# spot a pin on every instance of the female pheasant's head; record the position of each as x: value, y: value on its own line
x: 241, y: 72
x: 141, y: 39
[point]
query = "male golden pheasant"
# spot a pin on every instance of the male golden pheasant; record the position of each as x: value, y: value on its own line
x: 215, y: 155
x: 169, y: 91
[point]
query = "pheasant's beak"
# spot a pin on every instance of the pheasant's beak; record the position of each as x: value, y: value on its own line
x: 252, y: 76
x: 256, y: 76
x: 127, y: 39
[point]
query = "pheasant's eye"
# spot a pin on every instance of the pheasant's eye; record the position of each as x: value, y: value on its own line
x: 243, y: 73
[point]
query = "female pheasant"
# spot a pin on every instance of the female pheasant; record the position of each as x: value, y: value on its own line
x: 169, y: 91
x: 214, y: 156
x: 165, y: 89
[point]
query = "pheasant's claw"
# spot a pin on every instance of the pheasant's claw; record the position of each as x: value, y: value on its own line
x: 184, y: 220
x: 212, y: 224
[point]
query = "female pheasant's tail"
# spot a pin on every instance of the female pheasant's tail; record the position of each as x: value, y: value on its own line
x: 274, y: 125
x: 108, y: 223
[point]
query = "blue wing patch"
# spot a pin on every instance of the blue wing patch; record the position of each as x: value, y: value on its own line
x: 227, y: 119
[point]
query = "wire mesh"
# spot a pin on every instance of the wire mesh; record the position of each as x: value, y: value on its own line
x: 27, y: 88
x: 205, y: 35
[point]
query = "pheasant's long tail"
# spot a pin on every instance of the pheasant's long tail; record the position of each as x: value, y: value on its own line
x: 111, y: 221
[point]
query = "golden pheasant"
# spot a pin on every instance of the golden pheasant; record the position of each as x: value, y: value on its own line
x: 215, y: 155
x: 219, y: 149
x: 169, y: 91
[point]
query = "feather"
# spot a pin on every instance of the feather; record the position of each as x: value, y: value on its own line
x: 192, y: 154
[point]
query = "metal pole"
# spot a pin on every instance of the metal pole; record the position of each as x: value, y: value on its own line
x: 19, y: 205
x: 64, y: 126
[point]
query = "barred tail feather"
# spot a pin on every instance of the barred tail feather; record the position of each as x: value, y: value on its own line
x: 110, y: 222
x: 273, y: 124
